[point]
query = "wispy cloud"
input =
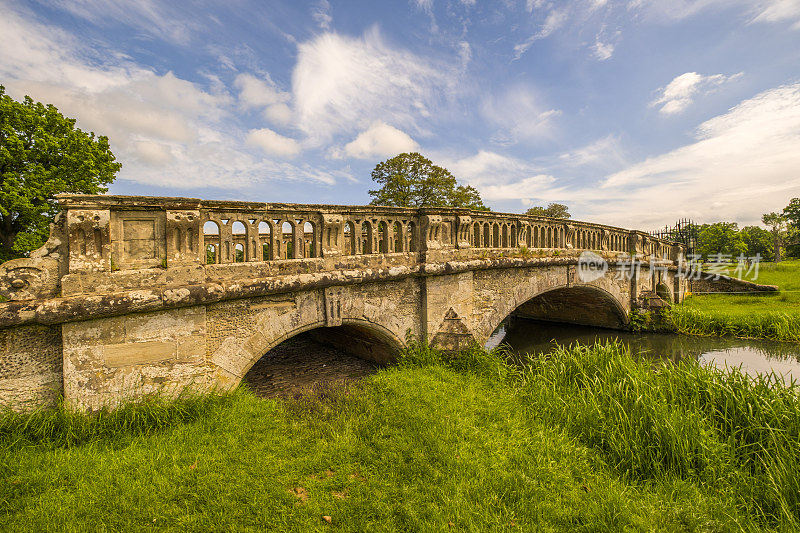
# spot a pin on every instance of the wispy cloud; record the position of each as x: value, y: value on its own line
x: 321, y: 13
x: 164, y: 20
x: 770, y: 11
x: 519, y: 115
x: 676, y: 96
x: 555, y: 19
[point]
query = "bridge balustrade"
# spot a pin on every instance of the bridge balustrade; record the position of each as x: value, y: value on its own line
x: 98, y: 233
x: 114, y: 232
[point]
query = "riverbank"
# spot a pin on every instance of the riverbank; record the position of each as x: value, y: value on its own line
x: 774, y: 316
x: 586, y: 439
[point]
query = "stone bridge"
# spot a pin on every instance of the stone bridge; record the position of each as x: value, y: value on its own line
x: 133, y: 296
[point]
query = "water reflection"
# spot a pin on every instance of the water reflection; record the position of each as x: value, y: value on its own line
x: 754, y: 356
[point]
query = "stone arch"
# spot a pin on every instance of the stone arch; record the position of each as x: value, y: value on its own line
x: 212, y: 240
x: 663, y: 292
x: 265, y: 237
x: 412, y: 237
x: 366, y: 237
x: 258, y: 345
x: 287, y: 239
x: 595, y: 306
x: 349, y: 246
x: 397, y: 237
x: 310, y: 244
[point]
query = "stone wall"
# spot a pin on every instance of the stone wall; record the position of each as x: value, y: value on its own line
x: 30, y: 366
x: 712, y: 283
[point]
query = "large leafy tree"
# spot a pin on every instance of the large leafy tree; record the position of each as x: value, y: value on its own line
x: 412, y: 180
x: 42, y: 154
x: 720, y: 238
x: 553, y: 210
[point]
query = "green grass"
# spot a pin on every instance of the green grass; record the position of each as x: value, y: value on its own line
x: 586, y: 440
x: 773, y: 316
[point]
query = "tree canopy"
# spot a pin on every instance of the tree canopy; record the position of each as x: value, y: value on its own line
x: 553, y: 210
x: 42, y: 154
x: 720, y: 238
x: 412, y: 180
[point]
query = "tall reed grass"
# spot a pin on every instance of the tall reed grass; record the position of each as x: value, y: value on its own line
x: 729, y: 432
x: 775, y: 325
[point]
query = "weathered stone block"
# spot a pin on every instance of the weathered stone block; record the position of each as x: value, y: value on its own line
x: 138, y: 353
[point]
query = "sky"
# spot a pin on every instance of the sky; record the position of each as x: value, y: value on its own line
x: 633, y: 113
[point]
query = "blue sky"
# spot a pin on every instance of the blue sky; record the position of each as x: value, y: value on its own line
x: 633, y: 112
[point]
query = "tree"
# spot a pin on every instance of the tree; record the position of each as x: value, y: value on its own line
x: 411, y: 180
x: 43, y: 154
x: 792, y: 215
x: 758, y: 242
x: 720, y: 238
x: 777, y: 226
x: 553, y: 210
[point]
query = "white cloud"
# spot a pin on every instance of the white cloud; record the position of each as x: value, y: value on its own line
x: 342, y: 84
x: 678, y: 94
x: 519, y: 115
x: 278, y: 114
x: 603, y: 51
x: 380, y: 140
x: 256, y: 92
x: 273, y: 143
x: 166, y: 131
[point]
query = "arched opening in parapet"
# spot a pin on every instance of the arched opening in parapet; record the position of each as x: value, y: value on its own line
x: 412, y: 237
x: 211, y: 237
x: 366, y: 237
x: 309, y: 239
x: 397, y: 237
x: 286, y: 237
x: 349, y: 239
x: 265, y: 237
x: 317, y: 359
x: 383, y: 238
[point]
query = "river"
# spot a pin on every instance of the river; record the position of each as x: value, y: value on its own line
x: 752, y: 356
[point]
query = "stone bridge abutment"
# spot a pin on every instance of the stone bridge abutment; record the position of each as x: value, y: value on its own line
x: 133, y: 296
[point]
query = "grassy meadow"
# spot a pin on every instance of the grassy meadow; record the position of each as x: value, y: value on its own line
x: 587, y: 439
x: 773, y: 316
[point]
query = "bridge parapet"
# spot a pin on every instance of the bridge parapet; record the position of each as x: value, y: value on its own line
x: 103, y: 244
